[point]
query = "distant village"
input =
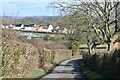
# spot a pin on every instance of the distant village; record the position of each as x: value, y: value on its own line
x: 38, y: 28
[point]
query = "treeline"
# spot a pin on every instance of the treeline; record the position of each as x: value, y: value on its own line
x: 29, y: 19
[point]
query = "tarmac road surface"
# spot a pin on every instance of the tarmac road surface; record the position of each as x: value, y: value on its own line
x: 66, y: 70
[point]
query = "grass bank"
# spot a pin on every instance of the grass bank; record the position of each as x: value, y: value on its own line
x: 91, y: 75
x: 37, y: 73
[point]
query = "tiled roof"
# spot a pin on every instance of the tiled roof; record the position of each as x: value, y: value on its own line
x: 45, y: 27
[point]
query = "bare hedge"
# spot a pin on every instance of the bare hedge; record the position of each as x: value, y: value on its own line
x: 107, y: 64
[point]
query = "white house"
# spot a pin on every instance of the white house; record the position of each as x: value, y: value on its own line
x: 40, y: 28
x: 47, y: 28
x: 5, y: 26
x: 57, y: 27
x: 11, y: 26
x: 28, y: 27
x: 65, y: 30
x: 50, y: 28
x: 1, y: 26
x: 18, y: 26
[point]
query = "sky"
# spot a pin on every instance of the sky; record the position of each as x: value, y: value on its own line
x: 27, y: 8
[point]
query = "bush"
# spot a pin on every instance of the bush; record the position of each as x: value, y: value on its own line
x: 46, y: 37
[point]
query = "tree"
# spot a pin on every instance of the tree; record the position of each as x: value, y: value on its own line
x: 77, y: 21
x: 102, y: 17
x: 74, y: 41
x: 107, y: 14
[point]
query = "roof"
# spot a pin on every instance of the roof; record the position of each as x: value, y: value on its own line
x: 29, y: 25
x: 45, y: 27
x: 37, y: 27
x: 18, y: 25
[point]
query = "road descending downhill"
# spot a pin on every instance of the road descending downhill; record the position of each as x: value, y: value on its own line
x: 66, y: 70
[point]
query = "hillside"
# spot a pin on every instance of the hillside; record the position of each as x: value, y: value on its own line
x: 20, y: 17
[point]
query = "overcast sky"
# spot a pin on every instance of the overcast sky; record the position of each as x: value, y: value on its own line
x: 27, y: 8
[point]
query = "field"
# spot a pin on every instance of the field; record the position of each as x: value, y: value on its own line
x: 85, y: 45
x: 44, y: 34
x: 59, y: 36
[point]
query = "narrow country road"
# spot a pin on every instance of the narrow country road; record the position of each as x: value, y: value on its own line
x: 69, y: 69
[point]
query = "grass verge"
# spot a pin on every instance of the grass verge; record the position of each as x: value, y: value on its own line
x: 37, y: 73
x: 91, y: 75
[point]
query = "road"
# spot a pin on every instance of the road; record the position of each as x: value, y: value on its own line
x: 69, y: 69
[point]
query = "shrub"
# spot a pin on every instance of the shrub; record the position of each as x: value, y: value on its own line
x: 46, y: 37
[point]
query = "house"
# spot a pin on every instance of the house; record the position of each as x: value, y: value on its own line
x: 56, y: 29
x: 40, y: 29
x: 18, y: 26
x: 43, y: 28
x: 1, y: 26
x: 5, y: 26
x: 36, y: 28
x: 46, y: 28
x: 11, y: 26
x: 28, y: 27
x: 65, y: 31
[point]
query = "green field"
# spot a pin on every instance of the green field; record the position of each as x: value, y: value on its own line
x: 51, y: 35
x: 44, y: 34
x: 85, y: 45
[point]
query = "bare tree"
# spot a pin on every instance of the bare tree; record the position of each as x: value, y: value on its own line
x: 107, y: 13
x: 102, y: 17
